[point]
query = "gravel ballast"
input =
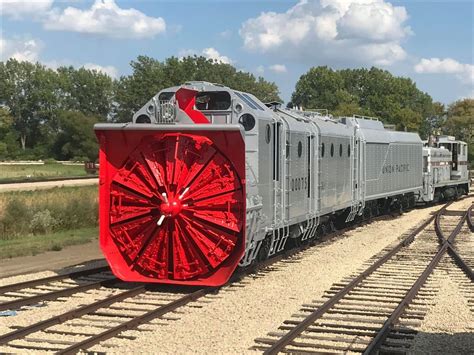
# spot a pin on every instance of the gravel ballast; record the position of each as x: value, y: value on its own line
x: 448, y: 327
x: 237, y: 315
x: 229, y: 321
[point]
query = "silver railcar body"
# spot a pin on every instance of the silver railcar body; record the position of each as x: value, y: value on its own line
x: 304, y: 168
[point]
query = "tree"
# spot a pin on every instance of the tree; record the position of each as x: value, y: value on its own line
x: 432, y: 124
x: 87, y: 91
x: 150, y: 76
x: 28, y: 91
x: 76, y: 138
x: 6, y: 127
x: 460, y: 123
x: 372, y: 92
x: 317, y: 89
x: 407, y: 119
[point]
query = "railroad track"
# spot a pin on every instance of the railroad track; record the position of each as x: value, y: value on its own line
x: 37, y: 291
x: 376, y: 309
x: 117, y: 307
x: 110, y: 315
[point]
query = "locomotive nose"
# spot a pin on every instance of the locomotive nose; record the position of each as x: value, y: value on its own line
x: 176, y: 207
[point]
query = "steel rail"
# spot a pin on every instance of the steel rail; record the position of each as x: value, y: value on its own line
x: 75, y: 313
x: 56, y: 294
x: 46, y: 280
x: 470, y: 220
x: 303, y: 325
x: 376, y: 342
x: 133, y: 323
x: 451, y: 249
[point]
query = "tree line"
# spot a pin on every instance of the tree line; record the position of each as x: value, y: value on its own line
x: 46, y: 113
x: 377, y: 93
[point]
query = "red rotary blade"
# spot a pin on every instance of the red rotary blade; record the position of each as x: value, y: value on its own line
x: 176, y: 207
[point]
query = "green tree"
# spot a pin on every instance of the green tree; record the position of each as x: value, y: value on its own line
x: 76, y: 138
x: 372, y: 92
x: 6, y: 128
x: 433, y: 123
x: 407, y: 119
x: 347, y: 109
x: 150, y: 76
x: 460, y: 123
x: 318, y: 88
x: 6, y: 121
x: 28, y: 91
x: 84, y: 90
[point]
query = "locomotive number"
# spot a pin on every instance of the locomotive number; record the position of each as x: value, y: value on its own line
x: 298, y: 184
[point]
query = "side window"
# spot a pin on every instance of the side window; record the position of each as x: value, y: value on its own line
x: 322, y: 150
x: 300, y: 149
x: 332, y: 149
x: 349, y: 150
x: 268, y: 134
x: 340, y: 150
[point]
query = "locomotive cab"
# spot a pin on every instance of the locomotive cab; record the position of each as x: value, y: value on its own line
x: 217, y: 103
x: 445, y: 173
x: 458, y: 150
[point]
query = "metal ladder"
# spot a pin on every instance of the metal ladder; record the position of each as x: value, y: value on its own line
x: 354, y: 179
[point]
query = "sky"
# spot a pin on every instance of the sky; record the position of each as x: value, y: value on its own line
x: 431, y: 42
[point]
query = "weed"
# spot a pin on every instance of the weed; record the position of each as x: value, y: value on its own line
x: 15, y: 219
x: 46, y: 211
x: 42, y: 222
x: 56, y: 247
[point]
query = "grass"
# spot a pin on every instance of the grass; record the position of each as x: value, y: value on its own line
x: 36, y: 221
x: 16, y: 173
x: 35, y: 244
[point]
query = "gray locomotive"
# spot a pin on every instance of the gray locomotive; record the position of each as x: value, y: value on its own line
x: 306, y: 173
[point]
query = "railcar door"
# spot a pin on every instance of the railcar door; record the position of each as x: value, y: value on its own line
x: 276, y: 164
x: 455, y: 156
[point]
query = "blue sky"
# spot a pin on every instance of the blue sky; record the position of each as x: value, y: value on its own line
x: 429, y: 41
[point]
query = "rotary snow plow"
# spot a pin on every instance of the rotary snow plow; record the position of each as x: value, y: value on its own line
x: 172, y: 199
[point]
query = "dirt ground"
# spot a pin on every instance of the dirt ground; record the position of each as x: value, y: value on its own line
x: 27, y: 186
x: 51, y: 260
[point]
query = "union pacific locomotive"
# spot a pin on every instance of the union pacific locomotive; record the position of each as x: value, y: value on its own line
x: 206, y: 179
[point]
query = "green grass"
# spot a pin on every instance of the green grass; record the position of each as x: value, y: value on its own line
x: 10, y: 173
x: 32, y: 222
x: 35, y: 244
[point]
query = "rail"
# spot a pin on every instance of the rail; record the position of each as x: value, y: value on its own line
x: 295, y: 331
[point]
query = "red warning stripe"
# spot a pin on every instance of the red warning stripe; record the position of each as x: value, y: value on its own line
x: 186, y: 99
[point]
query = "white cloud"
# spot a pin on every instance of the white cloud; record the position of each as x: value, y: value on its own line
x: 260, y: 69
x: 18, y: 9
x: 225, y: 34
x: 364, y: 31
x: 464, y: 72
x: 209, y: 53
x: 20, y: 49
x: 108, y: 69
x: 278, y: 68
x: 105, y: 18
x: 212, y: 53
